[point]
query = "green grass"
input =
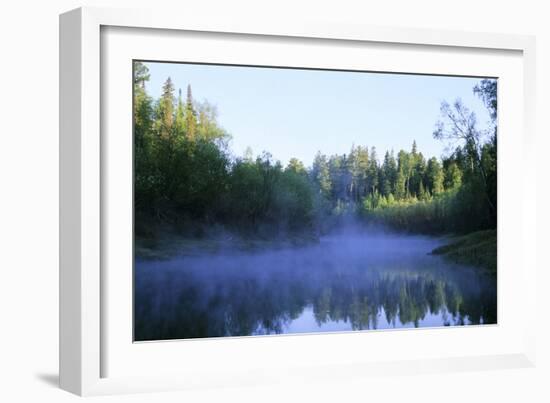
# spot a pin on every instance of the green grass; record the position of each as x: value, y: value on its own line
x: 477, y: 249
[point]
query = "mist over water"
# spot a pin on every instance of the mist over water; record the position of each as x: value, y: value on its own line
x: 351, y: 280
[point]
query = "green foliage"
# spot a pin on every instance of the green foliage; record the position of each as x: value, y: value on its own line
x: 457, y: 195
x: 429, y: 214
x: 487, y: 90
x: 266, y: 200
x: 296, y: 166
x: 141, y: 75
x: 187, y: 181
x: 477, y: 249
x: 435, y: 176
x: 165, y: 110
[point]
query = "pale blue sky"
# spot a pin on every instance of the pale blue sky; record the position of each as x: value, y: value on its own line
x: 295, y: 113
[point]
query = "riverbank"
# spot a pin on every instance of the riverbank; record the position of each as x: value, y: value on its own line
x: 476, y: 249
x: 171, y: 246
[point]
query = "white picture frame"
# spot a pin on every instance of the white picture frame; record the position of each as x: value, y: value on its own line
x: 85, y: 345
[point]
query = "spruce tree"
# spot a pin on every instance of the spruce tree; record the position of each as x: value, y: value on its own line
x: 373, y: 171
x: 389, y: 173
x: 179, y: 122
x: 190, y: 116
x: 166, y: 109
x: 321, y: 174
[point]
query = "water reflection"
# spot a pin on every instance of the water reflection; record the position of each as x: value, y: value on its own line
x: 354, y: 282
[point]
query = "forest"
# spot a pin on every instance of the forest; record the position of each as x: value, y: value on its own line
x: 188, y: 182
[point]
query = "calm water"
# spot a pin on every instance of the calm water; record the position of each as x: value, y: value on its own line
x: 346, y: 282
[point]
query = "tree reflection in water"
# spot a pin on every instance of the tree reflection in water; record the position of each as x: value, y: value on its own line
x: 345, y: 283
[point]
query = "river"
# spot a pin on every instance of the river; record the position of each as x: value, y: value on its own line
x: 347, y: 282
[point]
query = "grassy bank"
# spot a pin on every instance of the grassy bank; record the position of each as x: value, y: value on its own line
x: 171, y: 246
x: 477, y: 249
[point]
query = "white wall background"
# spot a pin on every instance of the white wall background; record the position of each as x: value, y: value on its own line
x: 29, y: 196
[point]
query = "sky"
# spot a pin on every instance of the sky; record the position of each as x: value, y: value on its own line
x: 295, y: 113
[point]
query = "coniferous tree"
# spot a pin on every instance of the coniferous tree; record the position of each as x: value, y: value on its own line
x: 185, y: 174
x: 143, y: 108
x: 143, y: 139
x: 190, y: 116
x: 418, y: 171
x: 166, y: 110
x: 363, y: 161
x: 453, y: 176
x: 435, y: 176
x: 321, y: 174
x: 179, y: 120
x: 372, y: 174
x: 390, y: 171
x: 403, y: 175
x: 414, y: 149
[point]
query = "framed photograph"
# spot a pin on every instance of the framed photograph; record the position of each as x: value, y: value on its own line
x: 254, y: 202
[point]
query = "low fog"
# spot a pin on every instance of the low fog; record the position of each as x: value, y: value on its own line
x: 353, y: 279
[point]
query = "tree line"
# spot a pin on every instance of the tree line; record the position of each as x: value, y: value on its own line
x: 187, y: 181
